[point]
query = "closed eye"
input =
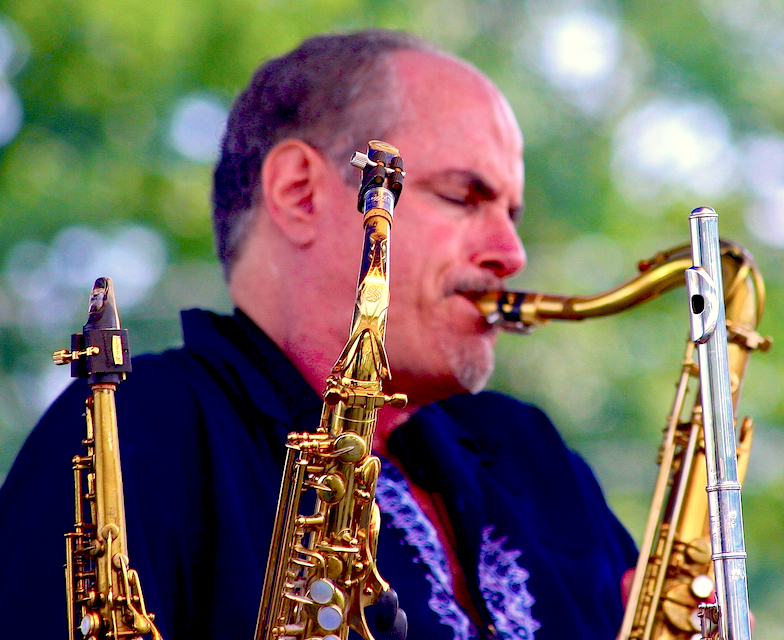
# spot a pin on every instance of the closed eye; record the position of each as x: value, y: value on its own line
x: 456, y: 200
x: 515, y: 213
x: 466, y: 189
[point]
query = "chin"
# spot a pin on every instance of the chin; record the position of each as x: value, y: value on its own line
x: 472, y: 364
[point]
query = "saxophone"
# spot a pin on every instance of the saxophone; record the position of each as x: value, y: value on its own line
x: 674, y: 573
x: 321, y: 571
x: 104, y: 594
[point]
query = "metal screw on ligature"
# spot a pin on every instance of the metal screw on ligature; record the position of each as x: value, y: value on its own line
x: 360, y: 160
x: 63, y: 356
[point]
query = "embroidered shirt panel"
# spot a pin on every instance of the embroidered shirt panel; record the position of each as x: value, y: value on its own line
x: 501, y: 579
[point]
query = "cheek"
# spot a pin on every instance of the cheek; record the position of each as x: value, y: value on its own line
x: 414, y: 272
x: 425, y: 255
x: 426, y: 240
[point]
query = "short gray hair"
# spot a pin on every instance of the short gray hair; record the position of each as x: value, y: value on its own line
x: 334, y: 92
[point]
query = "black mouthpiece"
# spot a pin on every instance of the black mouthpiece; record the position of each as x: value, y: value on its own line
x: 104, y: 353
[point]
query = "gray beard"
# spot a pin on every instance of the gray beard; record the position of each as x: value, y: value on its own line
x: 471, y: 368
x: 470, y: 362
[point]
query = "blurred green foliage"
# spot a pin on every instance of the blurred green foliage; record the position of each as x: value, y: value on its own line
x: 100, y: 84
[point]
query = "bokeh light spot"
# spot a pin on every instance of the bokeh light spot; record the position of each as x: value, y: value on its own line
x: 678, y: 145
x: 763, y: 164
x: 762, y: 167
x: 765, y: 218
x: 197, y: 127
x: 52, y: 281
x: 14, y: 48
x: 579, y: 49
x: 10, y: 113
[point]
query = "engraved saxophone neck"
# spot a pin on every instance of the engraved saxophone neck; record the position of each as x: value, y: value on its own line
x: 321, y: 570
x: 364, y: 358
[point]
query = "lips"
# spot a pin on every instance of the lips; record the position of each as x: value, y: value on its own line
x: 473, y: 289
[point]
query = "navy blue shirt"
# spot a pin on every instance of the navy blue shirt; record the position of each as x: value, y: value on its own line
x: 202, y: 432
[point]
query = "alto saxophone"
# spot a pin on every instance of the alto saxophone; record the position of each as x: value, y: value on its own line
x: 105, y: 600
x: 674, y: 574
x: 321, y: 571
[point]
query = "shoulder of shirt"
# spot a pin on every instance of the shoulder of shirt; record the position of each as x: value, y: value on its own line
x: 496, y: 422
x: 180, y: 379
x: 477, y: 412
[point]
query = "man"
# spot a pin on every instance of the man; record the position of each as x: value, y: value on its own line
x: 491, y: 527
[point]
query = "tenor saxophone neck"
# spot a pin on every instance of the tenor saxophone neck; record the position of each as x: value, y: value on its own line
x: 522, y: 311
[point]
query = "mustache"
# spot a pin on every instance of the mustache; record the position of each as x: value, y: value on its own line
x: 474, y: 285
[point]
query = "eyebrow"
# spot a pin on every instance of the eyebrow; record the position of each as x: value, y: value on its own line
x: 478, y: 188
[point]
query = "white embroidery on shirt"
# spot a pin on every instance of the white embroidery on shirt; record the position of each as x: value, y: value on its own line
x: 502, y: 583
x: 396, y: 502
x: 501, y: 579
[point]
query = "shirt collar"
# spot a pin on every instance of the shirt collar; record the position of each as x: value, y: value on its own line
x: 244, y: 355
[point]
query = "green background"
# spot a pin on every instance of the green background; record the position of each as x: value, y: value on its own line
x: 633, y: 112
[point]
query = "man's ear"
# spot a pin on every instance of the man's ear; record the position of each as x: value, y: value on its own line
x: 291, y: 171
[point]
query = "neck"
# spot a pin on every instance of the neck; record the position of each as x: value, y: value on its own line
x: 388, y: 420
x: 276, y: 299
x: 311, y: 341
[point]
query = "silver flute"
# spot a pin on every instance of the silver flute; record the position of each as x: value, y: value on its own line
x: 728, y: 618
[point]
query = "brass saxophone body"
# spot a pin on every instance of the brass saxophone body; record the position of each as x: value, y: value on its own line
x: 321, y: 572
x: 104, y: 594
x: 674, y: 573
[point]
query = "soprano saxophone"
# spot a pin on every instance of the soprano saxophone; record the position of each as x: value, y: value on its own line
x: 104, y: 594
x: 321, y: 571
x: 674, y: 574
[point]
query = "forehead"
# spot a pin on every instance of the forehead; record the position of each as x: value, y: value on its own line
x: 454, y: 117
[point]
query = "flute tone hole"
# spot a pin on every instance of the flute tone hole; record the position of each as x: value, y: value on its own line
x: 697, y: 304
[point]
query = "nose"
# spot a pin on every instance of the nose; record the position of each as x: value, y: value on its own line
x: 500, y: 249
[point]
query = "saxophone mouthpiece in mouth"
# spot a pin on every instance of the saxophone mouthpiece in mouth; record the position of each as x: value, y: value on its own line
x: 503, y: 309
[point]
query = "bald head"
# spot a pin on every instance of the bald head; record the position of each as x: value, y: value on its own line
x: 422, y: 73
x: 454, y: 232
x: 441, y: 91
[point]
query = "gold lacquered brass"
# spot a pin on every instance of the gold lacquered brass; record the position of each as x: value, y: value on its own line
x: 659, y: 274
x: 105, y: 600
x: 674, y: 573
x: 321, y: 571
